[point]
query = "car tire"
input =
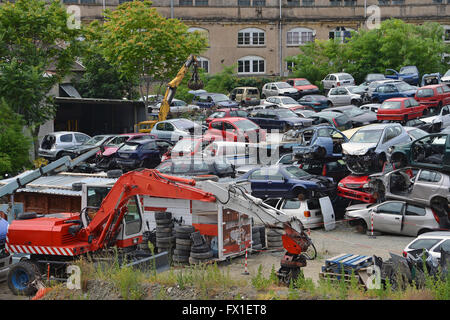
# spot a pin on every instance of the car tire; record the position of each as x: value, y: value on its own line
x: 20, y: 277
x: 163, y: 215
x: 200, y: 249
x: 184, y: 242
x: 274, y: 244
x: 183, y: 247
x: 329, y: 104
x: 202, y: 255
x: 185, y: 229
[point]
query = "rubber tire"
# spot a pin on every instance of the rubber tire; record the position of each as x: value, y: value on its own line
x: 167, y: 240
x: 163, y: 222
x: 202, y: 255
x: 185, y: 229
x: 160, y: 235
x: 163, y: 215
x: 181, y: 253
x: 164, y: 230
x: 183, y: 247
x: 273, y: 238
x: 184, y: 242
x: 184, y: 236
x: 32, y: 272
x: 113, y: 174
x: 200, y: 249
x: 180, y: 259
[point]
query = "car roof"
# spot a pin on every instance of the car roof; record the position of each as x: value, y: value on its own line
x: 431, y: 86
x: 280, y: 97
x: 378, y: 126
x: 398, y: 99
x: 231, y: 119
x: 444, y: 234
x: 342, y: 107
x: 328, y: 113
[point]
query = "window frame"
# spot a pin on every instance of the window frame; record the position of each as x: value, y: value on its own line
x: 300, y: 41
x: 253, y: 34
x: 249, y: 61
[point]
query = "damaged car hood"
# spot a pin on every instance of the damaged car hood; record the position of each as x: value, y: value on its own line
x: 357, y: 148
x: 431, y: 119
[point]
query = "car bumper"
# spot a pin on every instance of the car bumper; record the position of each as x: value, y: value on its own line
x: 251, y: 102
x: 307, y: 153
x: 398, y: 117
x: 306, y: 92
x: 355, y: 195
x: 47, y: 153
x: 311, y: 223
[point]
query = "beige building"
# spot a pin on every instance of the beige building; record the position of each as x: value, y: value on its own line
x: 259, y: 34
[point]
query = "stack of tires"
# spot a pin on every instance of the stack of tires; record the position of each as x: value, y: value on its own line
x: 200, y: 250
x: 165, y: 240
x: 183, y: 243
x: 258, y: 237
x: 274, y: 240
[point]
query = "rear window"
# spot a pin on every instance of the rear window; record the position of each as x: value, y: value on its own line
x: 391, y: 105
x: 342, y: 120
x: 291, y: 204
x: 345, y: 77
x: 423, y: 93
x: 423, y: 244
x: 313, y: 204
x: 253, y: 91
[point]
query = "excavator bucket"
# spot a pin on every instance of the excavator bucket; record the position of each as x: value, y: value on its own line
x: 195, y: 83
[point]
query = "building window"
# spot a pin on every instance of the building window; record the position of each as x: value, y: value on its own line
x: 259, y: 3
x: 293, y: 3
x: 335, y: 2
x: 244, y: 3
x: 201, y: 30
x: 204, y: 64
x: 307, y: 3
x: 298, y: 36
x: 341, y: 34
x: 251, y: 37
x: 384, y: 2
x: 290, y: 66
x: 201, y: 3
x: 251, y: 65
x: 447, y: 34
x: 186, y: 2
x: 349, y: 3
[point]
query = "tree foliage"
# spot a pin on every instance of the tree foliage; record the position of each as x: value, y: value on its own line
x: 14, y: 146
x: 394, y: 45
x: 142, y: 44
x: 34, y: 37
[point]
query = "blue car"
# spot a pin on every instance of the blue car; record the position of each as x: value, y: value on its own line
x: 280, y: 181
x: 279, y: 119
x: 141, y: 153
x: 409, y: 74
x: 316, y: 101
x: 319, y: 142
x: 394, y: 89
x: 218, y: 100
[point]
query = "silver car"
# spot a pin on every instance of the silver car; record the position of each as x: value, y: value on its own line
x: 175, y: 129
x: 178, y: 106
x: 54, y: 144
x: 396, y: 217
x: 279, y: 89
x: 421, y: 186
x: 334, y: 80
x: 343, y: 96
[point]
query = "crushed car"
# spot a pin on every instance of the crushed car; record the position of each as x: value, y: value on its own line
x: 366, y: 152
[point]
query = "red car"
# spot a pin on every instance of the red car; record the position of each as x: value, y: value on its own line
x: 300, y: 107
x: 436, y: 95
x: 235, y: 129
x: 303, y: 86
x: 401, y: 109
x: 226, y: 113
x: 355, y: 188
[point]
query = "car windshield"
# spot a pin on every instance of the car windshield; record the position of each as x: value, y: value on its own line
x: 284, y: 113
x: 302, y: 82
x: 220, y: 98
x: 179, y: 103
x: 408, y: 70
x: 283, y: 85
x: 288, y: 100
x: 183, y: 124
x: 366, y: 136
x: 295, y: 172
x: 404, y: 87
x: 129, y: 147
x: 423, y: 93
x: 357, y: 90
x: 353, y: 112
x: 447, y: 74
x: 417, y: 133
x: 245, y: 125
x: 391, y: 105
x: 94, y: 141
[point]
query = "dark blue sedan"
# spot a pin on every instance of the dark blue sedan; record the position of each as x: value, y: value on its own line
x: 279, y: 119
x: 141, y: 153
x: 287, y: 182
x: 316, y: 101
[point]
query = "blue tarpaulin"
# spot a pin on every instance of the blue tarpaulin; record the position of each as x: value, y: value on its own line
x: 3, y: 229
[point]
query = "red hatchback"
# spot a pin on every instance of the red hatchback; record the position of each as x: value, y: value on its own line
x: 236, y: 129
x: 303, y: 86
x: 436, y: 95
x: 401, y: 109
x: 226, y: 113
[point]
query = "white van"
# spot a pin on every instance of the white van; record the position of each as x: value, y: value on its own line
x: 235, y: 153
x: 309, y: 211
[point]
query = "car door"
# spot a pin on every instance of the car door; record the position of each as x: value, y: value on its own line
x: 426, y: 184
x: 80, y: 138
x: 333, y: 96
x: 258, y: 180
x: 390, y: 91
x: 387, y: 217
x: 445, y: 116
x: 415, y: 219
x: 326, y: 82
x: 230, y: 132
x: 276, y: 186
x: 65, y: 141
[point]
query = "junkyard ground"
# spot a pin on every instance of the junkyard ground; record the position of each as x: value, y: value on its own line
x: 341, y: 240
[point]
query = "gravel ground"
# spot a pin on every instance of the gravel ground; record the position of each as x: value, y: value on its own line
x: 341, y: 240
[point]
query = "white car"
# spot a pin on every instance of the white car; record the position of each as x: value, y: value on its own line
x: 178, y: 106
x: 446, y: 77
x: 334, y: 80
x: 370, y: 107
x: 281, y: 101
x: 442, y: 119
x: 432, y: 242
x: 279, y: 89
x: 343, y: 96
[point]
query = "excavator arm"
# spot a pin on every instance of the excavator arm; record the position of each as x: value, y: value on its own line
x: 172, y: 86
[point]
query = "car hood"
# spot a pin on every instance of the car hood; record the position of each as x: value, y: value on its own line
x: 445, y: 78
x: 227, y: 103
x: 409, y: 92
x: 307, y: 87
x: 357, y: 148
x: 354, y: 180
x: 288, y: 90
x: 366, y: 117
x: 432, y: 119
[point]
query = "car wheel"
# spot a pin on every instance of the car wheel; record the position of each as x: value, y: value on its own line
x: 330, y: 104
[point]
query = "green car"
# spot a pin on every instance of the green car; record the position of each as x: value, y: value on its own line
x: 430, y: 152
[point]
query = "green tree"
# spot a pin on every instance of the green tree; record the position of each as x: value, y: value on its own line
x: 35, y: 37
x: 394, y: 45
x: 14, y: 146
x: 142, y: 44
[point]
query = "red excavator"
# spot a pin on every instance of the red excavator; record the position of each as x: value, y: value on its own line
x: 53, y: 241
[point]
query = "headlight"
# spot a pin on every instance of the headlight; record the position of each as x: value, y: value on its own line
x: 366, y: 185
x: 340, y: 184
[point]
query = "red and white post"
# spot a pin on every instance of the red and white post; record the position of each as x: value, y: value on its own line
x: 245, y: 263
x: 371, y: 225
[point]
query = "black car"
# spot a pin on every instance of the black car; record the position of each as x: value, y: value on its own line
x: 141, y: 153
x: 279, y: 119
x: 425, y: 126
x: 357, y: 116
x: 195, y: 167
x: 94, y: 142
